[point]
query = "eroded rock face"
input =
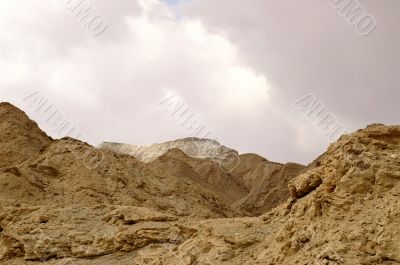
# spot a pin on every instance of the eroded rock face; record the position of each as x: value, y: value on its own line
x: 57, y: 208
x: 345, y: 210
x: 271, y: 186
x: 20, y: 137
x: 42, y: 233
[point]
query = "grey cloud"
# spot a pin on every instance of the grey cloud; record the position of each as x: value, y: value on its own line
x: 306, y: 47
x: 109, y: 86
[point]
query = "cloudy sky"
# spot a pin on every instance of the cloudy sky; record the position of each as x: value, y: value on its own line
x: 235, y: 68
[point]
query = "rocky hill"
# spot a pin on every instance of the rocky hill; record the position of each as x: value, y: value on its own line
x: 248, y: 183
x: 66, y: 202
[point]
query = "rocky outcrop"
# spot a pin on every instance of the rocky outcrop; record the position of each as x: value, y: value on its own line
x: 20, y: 137
x: 43, y: 233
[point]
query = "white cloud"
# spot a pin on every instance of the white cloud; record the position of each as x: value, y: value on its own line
x: 246, y: 92
x: 110, y: 86
x: 238, y: 65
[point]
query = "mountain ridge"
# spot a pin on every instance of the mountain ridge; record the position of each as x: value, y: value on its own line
x: 343, y: 208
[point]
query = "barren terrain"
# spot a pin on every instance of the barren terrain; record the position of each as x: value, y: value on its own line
x: 63, y: 201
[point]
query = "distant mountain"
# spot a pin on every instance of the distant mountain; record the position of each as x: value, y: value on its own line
x: 193, y: 147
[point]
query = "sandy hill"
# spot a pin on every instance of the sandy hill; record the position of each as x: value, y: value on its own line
x: 56, y: 207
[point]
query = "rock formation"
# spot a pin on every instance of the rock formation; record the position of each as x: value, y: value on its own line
x: 65, y: 202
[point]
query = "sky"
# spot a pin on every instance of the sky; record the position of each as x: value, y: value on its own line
x: 247, y: 72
